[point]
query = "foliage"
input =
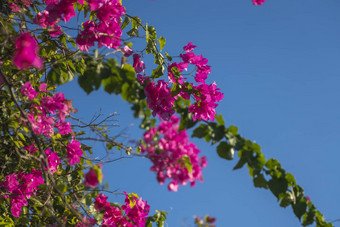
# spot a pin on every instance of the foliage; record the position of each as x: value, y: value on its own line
x: 43, y: 163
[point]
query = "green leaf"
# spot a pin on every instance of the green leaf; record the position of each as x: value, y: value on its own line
x: 299, y: 208
x: 161, y: 41
x: 136, y: 22
x: 287, y: 199
x: 176, y: 89
x: 233, y: 130
x: 158, y: 72
x: 260, y: 181
x: 240, y: 164
x: 187, y: 163
x: 168, y: 56
x: 224, y: 150
x: 133, y: 32
x: 277, y: 186
x: 201, y: 131
x: 150, y: 32
x: 219, y: 119
x: 126, y: 22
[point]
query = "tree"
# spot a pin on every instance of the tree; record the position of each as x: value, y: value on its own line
x: 48, y: 176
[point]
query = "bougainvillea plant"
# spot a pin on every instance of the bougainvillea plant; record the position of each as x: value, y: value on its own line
x: 48, y: 177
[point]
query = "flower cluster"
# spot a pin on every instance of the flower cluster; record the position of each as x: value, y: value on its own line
x: 20, y: 187
x: 26, y: 52
x: 173, y: 155
x: 106, y: 30
x: 15, y: 5
x: 42, y: 120
x: 55, y: 11
x: 39, y: 116
x: 132, y: 213
x: 161, y: 101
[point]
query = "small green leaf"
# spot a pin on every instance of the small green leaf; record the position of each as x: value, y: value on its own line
x: 224, y: 150
x: 201, y: 131
x: 161, y: 41
x: 260, y: 181
x: 219, y: 119
x: 126, y: 22
x: 158, y: 72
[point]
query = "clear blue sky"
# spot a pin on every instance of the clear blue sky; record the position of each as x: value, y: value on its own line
x: 278, y: 66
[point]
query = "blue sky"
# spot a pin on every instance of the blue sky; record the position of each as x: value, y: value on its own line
x: 278, y: 67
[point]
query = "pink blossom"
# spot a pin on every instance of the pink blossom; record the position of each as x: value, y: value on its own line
x: 52, y: 160
x: 101, y: 202
x: 21, y: 186
x: 43, y: 19
x: 173, y: 186
x: 159, y: 99
x: 172, y: 153
x: 55, y: 31
x: 31, y: 149
x: 91, y: 178
x: 189, y: 47
x: 87, y: 222
x: 258, y: 2
x: 43, y: 87
x: 26, y: 52
x: 204, y: 107
x: 138, y: 64
x: 137, y: 212
x: 29, y: 91
x: 66, y: 10
x: 64, y: 127
x: 74, y: 152
x: 14, y: 7
x: 127, y: 51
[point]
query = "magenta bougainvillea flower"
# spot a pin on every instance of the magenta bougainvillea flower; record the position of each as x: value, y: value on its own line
x: 173, y: 156
x: 159, y: 99
x: 91, y: 178
x: 53, y: 160
x: 138, y: 64
x: 101, y: 202
x: 74, y: 152
x: 29, y: 91
x: 133, y: 213
x: 258, y: 2
x: 22, y: 186
x: 26, y: 52
x: 136, y: 209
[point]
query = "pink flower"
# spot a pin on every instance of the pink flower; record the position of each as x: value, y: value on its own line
x: 258, y: 2
x: 204, y: 107
x: 74, y: 152
x: 64, y: 127
x: 91, y: 178
x: 127, y: 51
x: 138, y: 64
x: 31, y: 149
x: 29, y: 91
x: 14, y: 7
x: 54, y: 31
x: 101, y: 202
x: 137, y: 212
x: 87, y: 222
x: 52, y: 160
x: 189, y: 47
x: 26, y: 52
x: 173, y: 186
x: 159, y: 99
x: 173, y: 155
